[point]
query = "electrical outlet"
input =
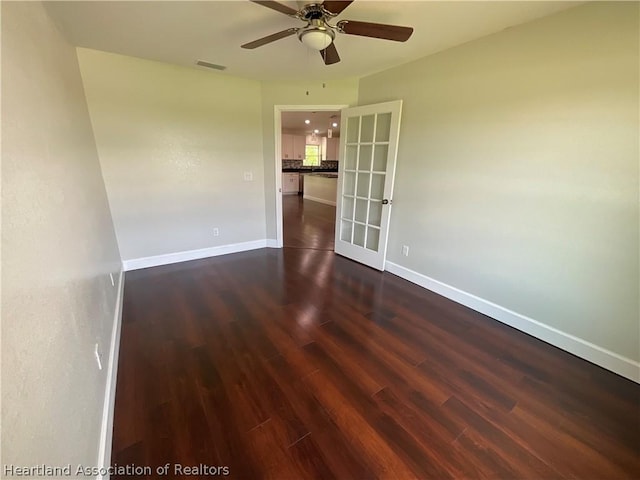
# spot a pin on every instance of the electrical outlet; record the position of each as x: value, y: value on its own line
x: 248, y: 176
x: 98, y: 355
x: 113, y: 283
x: 405, y: 250
x: 216, y: 232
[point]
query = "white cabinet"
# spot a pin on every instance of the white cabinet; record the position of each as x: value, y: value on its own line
x: 290, y: 183
x: 287, y: 146
x: 298, y: 147
x: 293, y: 146
x: 333, y: 146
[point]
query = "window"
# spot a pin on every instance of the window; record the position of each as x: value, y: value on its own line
x: 311, y: 155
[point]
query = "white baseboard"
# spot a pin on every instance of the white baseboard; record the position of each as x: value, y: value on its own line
x: 319, y: 200
x: 106, y: 431
x: 166, y: 259
x: 600, y: 356
x: 272, y: 243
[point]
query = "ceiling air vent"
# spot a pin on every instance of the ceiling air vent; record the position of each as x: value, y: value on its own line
x: 202, y: 63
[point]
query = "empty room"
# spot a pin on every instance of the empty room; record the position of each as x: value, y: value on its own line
x: 335, y: 240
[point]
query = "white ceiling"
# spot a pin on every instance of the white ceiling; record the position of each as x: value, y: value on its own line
x: 182, y: 32
x: 317, y: 121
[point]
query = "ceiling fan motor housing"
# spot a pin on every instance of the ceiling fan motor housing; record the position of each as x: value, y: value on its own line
x: 315, y: 11
x: 317, y: 34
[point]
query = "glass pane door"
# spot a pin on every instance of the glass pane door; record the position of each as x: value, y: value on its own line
x: 368, y: 143
x: 364, y: 174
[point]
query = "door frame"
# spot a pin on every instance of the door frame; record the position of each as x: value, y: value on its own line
x: 277, y: 123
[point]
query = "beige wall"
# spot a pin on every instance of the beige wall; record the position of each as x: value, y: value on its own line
x: 320, y: 189
x: 337, y: 92
x: 174, y: 144
x: 517, y: 175
x: 58, y: 248
x: 517, y: 182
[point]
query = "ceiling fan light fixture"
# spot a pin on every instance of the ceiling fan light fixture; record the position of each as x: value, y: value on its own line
x: 316, y: 38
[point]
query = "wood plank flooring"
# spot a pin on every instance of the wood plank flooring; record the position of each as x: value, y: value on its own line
x: 307, y: 224
x: 300, y: 364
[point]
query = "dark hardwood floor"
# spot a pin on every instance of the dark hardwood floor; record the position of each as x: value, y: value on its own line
x: 307, y: 224
x: 300, y: 364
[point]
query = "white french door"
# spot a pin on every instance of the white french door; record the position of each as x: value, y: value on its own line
x: 368, y: 150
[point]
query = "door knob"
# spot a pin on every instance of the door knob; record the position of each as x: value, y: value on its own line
x: 385, y: 201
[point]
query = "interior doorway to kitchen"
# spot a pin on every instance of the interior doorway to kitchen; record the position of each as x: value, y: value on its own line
x: 307, y: 149
x: 308, y: 224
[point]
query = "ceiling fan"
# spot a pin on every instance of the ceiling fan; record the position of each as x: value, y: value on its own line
x: 319, y: 35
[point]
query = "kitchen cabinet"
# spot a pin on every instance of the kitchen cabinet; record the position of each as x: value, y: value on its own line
x: 333, y: 146
x: 293, y: 146
x: 298, y: 147
x: 290, y: 183
x: 287, y: 146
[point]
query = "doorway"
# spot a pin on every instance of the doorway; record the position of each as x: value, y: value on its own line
x: 308, y: 224
x: 306, y: 174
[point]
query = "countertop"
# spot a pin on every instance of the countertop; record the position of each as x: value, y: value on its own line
x: 309, y: 170
x: 324, y: 174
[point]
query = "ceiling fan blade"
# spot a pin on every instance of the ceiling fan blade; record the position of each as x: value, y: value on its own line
x: 330, y: 55
x: 270, y: 38
x: 278, y: 7
x: 376, y: 30
x: 336, y: 6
